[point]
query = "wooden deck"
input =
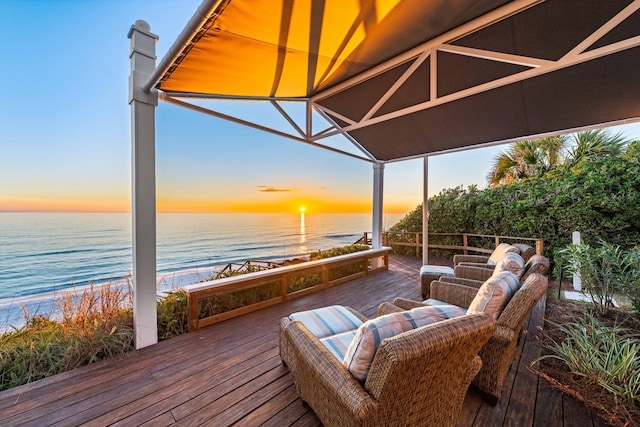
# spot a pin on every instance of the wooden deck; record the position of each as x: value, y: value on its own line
x: 230, y: 374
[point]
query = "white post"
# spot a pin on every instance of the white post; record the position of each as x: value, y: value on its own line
x: 577, y: 282
x: 376, y: 229
x: 143, y: 183
x: 425, y: 212
x: 378, y: 187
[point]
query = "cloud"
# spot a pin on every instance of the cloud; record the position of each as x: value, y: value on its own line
x: 267, y: 189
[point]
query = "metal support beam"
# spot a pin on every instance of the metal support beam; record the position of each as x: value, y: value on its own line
x: 143, y: 183
x: 425, y: 213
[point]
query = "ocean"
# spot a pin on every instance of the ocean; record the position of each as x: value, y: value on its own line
x: 43, y: 253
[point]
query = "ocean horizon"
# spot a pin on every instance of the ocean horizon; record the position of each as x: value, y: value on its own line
x: 44, y: 253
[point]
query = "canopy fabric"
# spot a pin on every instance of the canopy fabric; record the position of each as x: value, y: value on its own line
x: 406, y: 78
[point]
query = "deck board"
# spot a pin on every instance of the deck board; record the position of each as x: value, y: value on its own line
x: 231, y: 374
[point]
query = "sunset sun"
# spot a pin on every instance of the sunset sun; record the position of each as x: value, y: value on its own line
x: 302, y: 209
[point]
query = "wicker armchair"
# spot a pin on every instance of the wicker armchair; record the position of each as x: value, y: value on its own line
x: 498, y: 354
x: 419, y: 377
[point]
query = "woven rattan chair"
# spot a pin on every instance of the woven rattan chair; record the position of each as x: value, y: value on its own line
x: 498, y: 354
x: 419, y: 377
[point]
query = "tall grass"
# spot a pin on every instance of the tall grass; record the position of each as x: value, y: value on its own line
x: 602, y: 355
x: 84, y: 327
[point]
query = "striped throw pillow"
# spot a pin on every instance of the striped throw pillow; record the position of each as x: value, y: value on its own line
x: 510, y: 262
x: 499, y: 252
x: 494, y: 294
x: 371, y: 333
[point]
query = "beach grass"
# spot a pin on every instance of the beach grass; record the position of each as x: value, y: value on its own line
x: 84, y: 327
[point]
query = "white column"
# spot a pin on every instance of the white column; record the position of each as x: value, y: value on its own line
x: 378, y: 187
x: 425, y: 212
x: 577, y: 282
x: 143, y: 183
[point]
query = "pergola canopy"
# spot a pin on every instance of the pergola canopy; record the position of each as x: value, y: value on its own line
x: 398, y: 78
x: 407, y: 78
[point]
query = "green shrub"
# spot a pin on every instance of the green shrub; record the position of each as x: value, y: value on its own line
x: 631, y: 278
x: 604, y: 270
x: 172, y: 314
x: 598, y: 269
x: 599, y: 198
x: 230, y: 301
x: 299, y: 283
x: 342, y: 250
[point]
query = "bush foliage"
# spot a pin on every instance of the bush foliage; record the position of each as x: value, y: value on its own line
x: 604, y: 270
x: 599, y: 198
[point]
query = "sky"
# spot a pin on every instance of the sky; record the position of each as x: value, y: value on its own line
x: 65, y: 129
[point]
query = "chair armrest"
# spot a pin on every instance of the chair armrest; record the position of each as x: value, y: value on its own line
x: 357, y: 314
x: 502, y: 336
x: 387, y: 308
x: 323, y: 382
x: 479, y: 265
x: 407, y: 304
x: 460, y: 281
x: 474, y: 273
x: 469, y: 258
x: 452, y: 293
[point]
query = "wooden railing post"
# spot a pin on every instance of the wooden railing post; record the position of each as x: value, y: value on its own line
x: 283, y: 287
x: 192, y: 312
x: 497, y: 241
x: 325, y: 274
x: 540, y: 247
x: 418, y: 244
x: 465, y: 243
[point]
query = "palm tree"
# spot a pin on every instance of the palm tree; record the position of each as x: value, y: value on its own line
x: 594, y: 145
x: 535, y: 157
x: 527, y: 159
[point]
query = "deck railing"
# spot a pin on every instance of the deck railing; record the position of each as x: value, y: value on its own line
x: 414, y: 239
x: 277, y: 285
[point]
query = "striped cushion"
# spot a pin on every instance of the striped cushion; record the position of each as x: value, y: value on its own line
x: 499, y: 252
x: 436, y: 269
x: 370, y: 334
x: 326, y: 321
x: 338, y: 344
x: 494, y: 294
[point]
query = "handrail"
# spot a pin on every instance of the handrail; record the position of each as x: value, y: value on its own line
x: 321, y: 271
x: 416, y: 241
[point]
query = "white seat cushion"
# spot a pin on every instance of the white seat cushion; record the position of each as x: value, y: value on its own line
x: 437, y: 269
x: 327, y: 321
x: 339, y: 343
